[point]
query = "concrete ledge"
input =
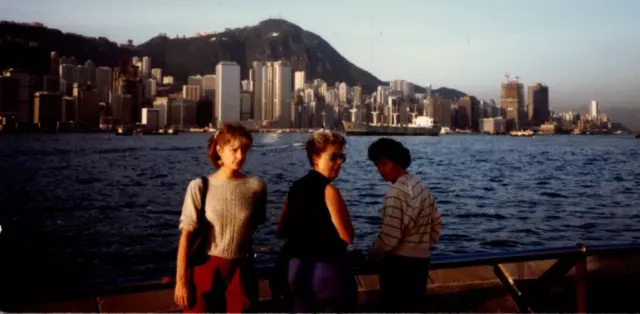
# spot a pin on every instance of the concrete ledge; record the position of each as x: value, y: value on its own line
x: 151, y: 301
x: 612, y: 277
x: 83, y: 306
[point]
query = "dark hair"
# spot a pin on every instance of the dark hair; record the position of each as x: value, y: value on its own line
x: 227, y: 133
x: 320, y: 140
x: 390, y: 149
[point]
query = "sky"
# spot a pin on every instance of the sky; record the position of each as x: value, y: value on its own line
x: 582, y: 49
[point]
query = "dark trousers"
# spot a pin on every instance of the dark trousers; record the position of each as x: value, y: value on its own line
x: 322, y: 287
x: 403, y: 283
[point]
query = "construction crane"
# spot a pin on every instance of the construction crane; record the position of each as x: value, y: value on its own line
x: 517, y: 79
x: 507, y: 76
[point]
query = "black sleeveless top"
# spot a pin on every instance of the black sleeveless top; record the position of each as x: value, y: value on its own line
x: 308, y: 228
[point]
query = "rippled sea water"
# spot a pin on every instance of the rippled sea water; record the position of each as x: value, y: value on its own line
x: 100, y: 209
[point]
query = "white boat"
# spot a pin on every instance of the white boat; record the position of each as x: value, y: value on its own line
x: 527, y: 133
x: 422, y: 126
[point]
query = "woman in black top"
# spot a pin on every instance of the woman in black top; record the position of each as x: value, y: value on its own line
x: 316, y: 223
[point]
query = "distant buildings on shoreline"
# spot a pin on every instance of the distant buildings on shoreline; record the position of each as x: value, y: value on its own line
x: 90, y: 97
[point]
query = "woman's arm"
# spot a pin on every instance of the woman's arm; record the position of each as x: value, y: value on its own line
x: 339, y: 213
x: 282, y: 219
x: 188, y: 223
x: 260, y: 207
x: 181, y: 263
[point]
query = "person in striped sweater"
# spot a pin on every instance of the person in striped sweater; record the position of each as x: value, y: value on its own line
x: 411, y: 224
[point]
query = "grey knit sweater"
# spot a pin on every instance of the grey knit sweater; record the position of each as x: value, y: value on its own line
x: 233, y: 207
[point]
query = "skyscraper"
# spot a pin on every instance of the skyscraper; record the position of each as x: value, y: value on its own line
x: 299, y: 81
x: 593, y: 109
x: 55, y: 64
x: 512, y: 101
x: 282, y: 93
x: 26, y: 93
x: 272, y: 92
x: 145, y: 70
x: 538, y: 104
x: 227, y: 92
x: 103, y: 83
x: 343, y: 93
x: 209, y: 91
x: 259, y: 72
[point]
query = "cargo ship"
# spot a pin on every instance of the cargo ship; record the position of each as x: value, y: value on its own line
x: 423, y: 126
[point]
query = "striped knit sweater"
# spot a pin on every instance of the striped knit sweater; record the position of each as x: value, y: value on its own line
x: 410, y: 219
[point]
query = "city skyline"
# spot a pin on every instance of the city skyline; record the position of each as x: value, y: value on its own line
x: 565, y: 49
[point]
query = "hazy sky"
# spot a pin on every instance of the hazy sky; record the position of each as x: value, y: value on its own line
x: 582, y: 49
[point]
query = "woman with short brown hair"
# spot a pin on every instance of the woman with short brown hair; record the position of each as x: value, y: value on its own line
x: 234, y: 205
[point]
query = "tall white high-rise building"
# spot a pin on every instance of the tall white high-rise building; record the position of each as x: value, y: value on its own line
x: 383, y: 94
x: 299, y: 79
x: 343, y: 93
x: 145, y: 69
x: 272, y: 92
x: 282, y: 93
x: 251, y: 79
x: 227, y: 92
x: 259, y: 72
x: 593, y: 109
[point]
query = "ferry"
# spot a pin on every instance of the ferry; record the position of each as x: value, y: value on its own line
x: 527, y: 133
x: 573, y: 279
x: 422, y: 126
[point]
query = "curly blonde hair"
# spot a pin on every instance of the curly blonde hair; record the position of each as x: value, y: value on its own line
x: 320, y: 140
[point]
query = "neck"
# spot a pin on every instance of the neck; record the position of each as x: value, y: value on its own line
x: 227, y: 173
x: 320, y: 172
x: 400, y: 172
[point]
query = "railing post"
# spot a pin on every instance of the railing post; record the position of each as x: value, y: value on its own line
x: 508, y: 282
x: 581, y: 280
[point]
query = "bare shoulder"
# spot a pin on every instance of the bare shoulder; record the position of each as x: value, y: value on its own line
x: 332, y: 192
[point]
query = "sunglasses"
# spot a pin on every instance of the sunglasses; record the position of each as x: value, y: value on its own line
x: 338, y: 156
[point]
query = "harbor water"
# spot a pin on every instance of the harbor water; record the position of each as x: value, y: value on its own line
x: 96, y: 209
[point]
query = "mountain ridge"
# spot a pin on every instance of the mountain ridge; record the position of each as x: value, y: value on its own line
x: 28, y: 46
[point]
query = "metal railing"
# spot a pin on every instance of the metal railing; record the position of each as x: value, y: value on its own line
x: 566, y: 258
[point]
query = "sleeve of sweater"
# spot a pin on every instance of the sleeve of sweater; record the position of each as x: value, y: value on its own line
x: 190, y: 206
x: 393, y: 222
x: 436, y: 222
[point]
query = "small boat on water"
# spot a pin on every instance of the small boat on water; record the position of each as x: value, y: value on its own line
x: 129, y: 130
x: 125, y: 131
x: 527, y: 133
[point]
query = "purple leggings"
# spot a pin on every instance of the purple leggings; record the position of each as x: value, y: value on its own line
x: 322, y: 287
